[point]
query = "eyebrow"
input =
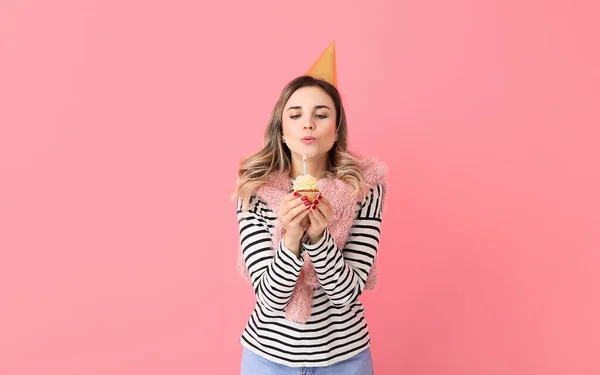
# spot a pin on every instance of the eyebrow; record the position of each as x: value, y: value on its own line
x: 316, y: 107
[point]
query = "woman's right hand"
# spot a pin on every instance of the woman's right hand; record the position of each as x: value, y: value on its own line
x: 292, y: 212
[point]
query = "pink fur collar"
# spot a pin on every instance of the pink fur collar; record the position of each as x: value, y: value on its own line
x: 344, y: 211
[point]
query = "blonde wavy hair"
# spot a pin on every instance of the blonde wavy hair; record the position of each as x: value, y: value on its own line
x: 275, y: 157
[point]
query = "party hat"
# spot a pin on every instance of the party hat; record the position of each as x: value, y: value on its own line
x: 324, y: 67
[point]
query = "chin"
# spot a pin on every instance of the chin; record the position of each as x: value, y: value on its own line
x: 317, y: 154
x: 311, y: 152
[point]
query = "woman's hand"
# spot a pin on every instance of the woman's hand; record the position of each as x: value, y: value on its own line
x: 320, y: 217
x: 292, y: 213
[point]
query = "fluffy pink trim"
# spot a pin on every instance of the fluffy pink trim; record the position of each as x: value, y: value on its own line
x: 344, y: 211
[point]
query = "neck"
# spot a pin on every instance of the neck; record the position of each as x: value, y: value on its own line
x: 314, y: 167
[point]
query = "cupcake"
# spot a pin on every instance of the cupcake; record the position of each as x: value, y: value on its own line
x: 307, y: 186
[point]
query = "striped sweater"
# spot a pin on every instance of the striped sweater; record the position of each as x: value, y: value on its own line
x: 336, y: 329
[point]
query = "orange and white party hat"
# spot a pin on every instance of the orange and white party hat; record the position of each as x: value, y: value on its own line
x: 324, y: 67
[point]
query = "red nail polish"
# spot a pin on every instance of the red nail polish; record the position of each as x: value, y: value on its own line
x: 314, y: 207
x: 304, y: 198
x: 307, y: 203
x: 320, y: 196
x: 296, y: 194
x: 315, y: 201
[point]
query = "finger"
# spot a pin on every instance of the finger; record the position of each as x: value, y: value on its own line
x: 301, y: 216
x: 317, y: 216
x: 297, y: 198
x: 291, y: 203
x: 304, y: 222
x: 325, y: 210
x: 290, y: 196
x: 294, y: 212
x: 316, y: 222
x: 297, y: 201
x: 322, y: 199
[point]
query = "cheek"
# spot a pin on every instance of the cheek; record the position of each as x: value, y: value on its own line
x: 286, y: 128
x: 330, y: 129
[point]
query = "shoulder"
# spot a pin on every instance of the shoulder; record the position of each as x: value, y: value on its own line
x: 375, y: 175
x: 374, y: 170
x: 371, y: 206
x: 256, y: 207
x: 375, y: 193
x: 265, y: 191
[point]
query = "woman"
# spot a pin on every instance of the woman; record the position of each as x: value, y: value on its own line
x: 308, y: 261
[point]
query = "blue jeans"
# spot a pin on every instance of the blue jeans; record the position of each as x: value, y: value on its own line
x: 359, y: 364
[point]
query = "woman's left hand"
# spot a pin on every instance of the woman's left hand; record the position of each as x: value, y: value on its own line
x: 320, y: 217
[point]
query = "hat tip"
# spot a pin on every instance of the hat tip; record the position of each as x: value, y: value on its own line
x: 325, y: 66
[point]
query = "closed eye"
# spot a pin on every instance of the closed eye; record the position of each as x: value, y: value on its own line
x: 320, y: 117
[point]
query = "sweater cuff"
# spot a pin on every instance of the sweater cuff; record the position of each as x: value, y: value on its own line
x: 298, y: 261
x: 317, y: 246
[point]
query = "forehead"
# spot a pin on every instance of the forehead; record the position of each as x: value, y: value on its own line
x: 309, y: 97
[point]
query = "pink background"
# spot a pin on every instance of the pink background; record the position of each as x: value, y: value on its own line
x: 122, y: 123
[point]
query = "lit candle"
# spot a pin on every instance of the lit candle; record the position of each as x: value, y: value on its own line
x: 304, y: 161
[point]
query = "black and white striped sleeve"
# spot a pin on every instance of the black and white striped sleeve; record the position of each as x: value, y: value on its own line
x: 343, y: 274
x: 273, y: 273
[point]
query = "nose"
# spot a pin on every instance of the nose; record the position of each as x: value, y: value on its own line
x: 309, y: 124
